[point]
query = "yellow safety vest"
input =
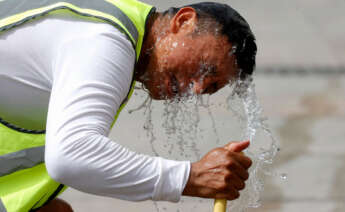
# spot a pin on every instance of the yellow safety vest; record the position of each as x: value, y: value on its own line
x: 24, y: 182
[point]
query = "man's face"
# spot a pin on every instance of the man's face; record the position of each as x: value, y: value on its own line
x: 186, y: 63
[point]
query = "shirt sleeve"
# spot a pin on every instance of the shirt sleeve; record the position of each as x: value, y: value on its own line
x: 91, y: 77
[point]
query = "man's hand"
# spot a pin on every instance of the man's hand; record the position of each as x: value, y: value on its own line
x: 220, y: 174
x: 56, y: 205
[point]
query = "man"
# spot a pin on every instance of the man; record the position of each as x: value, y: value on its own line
x: 68, y: 73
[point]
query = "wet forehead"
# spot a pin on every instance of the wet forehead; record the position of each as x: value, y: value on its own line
x: 215, y: 48
x: 217, y: 56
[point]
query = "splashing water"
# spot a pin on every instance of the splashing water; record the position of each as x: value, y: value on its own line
x: 245, y: 92
x: 180, y: 123
x: 148, y: 125
x: 184, y: 132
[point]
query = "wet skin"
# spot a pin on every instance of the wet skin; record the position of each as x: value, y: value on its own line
x: 181, y: 61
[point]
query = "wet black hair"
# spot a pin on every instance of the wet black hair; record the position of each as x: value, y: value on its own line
x: 234, y: 26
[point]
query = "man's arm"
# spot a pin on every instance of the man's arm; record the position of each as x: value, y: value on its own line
x: 92, y: 76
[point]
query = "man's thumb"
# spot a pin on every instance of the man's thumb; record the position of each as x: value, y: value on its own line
x: 237, y: 146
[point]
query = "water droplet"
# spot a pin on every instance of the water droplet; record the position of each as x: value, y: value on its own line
x: 283, y: 176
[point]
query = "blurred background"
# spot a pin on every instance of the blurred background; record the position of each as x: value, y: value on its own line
x: 300, y: 83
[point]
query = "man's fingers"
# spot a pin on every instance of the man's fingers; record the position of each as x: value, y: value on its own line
x: 237, y: 182
x: 237, y: 147
x: 236, y: 168
x: 231, y: 194
x: 245, y: 161
x: 221, y: 173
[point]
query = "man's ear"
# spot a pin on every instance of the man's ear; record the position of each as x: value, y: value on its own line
x: 184, y: 21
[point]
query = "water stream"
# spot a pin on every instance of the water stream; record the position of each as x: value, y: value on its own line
x: 244, y: 92
x: 188, y: 123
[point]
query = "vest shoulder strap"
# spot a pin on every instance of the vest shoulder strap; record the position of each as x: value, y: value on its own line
x: 17, y: 12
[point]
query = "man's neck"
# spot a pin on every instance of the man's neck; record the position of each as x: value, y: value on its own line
x: 155, y: 27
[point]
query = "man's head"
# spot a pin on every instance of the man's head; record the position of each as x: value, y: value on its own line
x: 197, y: 49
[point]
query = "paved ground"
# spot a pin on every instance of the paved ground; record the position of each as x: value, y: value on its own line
x: 306, y: 112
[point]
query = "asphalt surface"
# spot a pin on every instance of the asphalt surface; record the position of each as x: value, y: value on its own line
x: 305, y: 108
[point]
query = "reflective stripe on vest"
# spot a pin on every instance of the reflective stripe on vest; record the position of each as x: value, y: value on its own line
x: 24, y: 182
x: 2, y: 206
x: 27, y: 10
x: 23, y: 159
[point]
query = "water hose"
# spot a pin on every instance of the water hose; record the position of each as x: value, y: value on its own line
x: 219, y: 205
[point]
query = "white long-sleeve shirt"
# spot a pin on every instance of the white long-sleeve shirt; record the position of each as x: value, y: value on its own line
x: 70, y: 76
